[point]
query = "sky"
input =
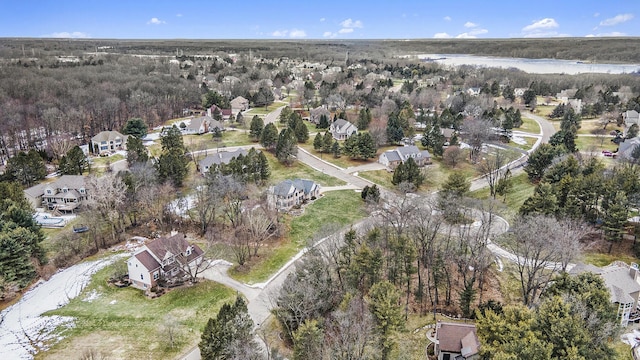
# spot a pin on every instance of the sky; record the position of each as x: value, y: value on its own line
x: 311, y: 19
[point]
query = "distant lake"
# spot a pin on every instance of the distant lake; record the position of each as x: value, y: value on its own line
x: 534, y: 66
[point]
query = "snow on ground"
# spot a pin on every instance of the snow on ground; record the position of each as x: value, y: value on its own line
x: 519, y: 140
x: 23, y: 331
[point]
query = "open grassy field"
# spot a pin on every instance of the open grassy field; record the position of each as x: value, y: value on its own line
x: 595, y: 144
x: 380, y: 177
x: 529, y: 125
x: 124, y: 324
x: 281, y: 172
x: 343, y: 161
x: 591, y: 126
x: 336, y: 207
x: 264, y: 111
x: 521, y: 191
x: 99, y: 161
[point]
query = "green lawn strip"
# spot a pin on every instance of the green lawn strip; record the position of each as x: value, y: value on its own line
x: 530, y: 141
x: 380, y: 177
x: 343, y: 161
x: 603, y: 259
x: 623, y: 351
x: 529, y: 125
x: 262, y: 111
x: 521, y: 191
x: 594, y: 144
x: 544, y: 110
x: 127, y: 314
x: 336, y: 207
x: 437, y: 173
x: 593, y: 126
x: 100, y: 161
x: 281, y: 172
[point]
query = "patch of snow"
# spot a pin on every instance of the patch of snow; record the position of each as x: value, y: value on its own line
x: 113, y: 302
x: 91, y: 296
x: 23, y: 329
x: 519, y: 140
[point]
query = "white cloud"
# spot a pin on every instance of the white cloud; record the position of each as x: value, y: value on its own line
x: 329, y: 34
x: 345, y: 31
x: 68, y: 35
x: 472, y: 34
x: 618, y: 19
x: 178, y: 15
x: 546, y: 23
x: 322, y: 19
x: 614, y: 34
x: 546, y: 34
x: 469, y: 24
x: 441, y: 35
x: 295, y: 33
x: 447, y: 18
x: 155, y: 21
x: 351, y: 24
x: 596, y: 14
x: 280, y: 33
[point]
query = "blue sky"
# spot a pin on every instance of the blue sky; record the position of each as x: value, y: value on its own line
x: 328, y: 19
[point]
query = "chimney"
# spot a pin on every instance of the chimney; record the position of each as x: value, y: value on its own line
x: 633, y: 272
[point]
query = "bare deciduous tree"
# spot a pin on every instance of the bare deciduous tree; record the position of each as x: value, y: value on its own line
x: 476, y: 132
x: 493, y: 169
x: 542, y: 245
x: 106, y: 195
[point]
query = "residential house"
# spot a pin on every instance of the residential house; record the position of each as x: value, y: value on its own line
x: 473, y: 91
x: 167, y: 258
x: 455, y: 341
x: 625, y: 148
x: 290, y: 193
x: 393, y: 158
x: 108, y: 141
x: 65, y: 194
x: 566, y: 94
x: 202, y: 125
x: 315, y: 114
x: 630, y: 117
x: 623, y: 282
x: 519, y: 91
x: 224, y: 113
x: 342, y: 129
x: 239, y: 104
x: 447, y: 133
x: 222, y: 157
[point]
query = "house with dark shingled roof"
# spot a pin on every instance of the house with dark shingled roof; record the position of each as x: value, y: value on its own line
x: 289, y: 193
x: 163, y: 258
x: 456, y: 341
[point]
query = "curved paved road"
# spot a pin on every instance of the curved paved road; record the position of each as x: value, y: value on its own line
x: 260, y: 296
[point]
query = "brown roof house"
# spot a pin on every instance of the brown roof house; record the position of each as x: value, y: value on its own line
x: 166, y: 258
x: 457, y: 341
x: 215, y: 109
x: 65, y: 194
x: 239, y: 104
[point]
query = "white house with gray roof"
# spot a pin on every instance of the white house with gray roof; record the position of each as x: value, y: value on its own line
x: 108, y: 141
x: 202, y: 125
x: 290, y: 193
x: 65, y: 194
x: 221, y: 157
x: 625, y: 149
x: 623, y: 283
x: 393, y: 158
x: 341, y: 129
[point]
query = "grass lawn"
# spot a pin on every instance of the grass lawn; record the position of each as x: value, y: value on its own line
x: 590, y: 126
x: 100, y: 161
x: 380, y: 177
x: 437, y: 173
x: 343, y: 161
x: 336, y: 207
x: 521, y: 191
x: 262, y: 111
x: 530, y: 142
x: 114, y: 317
x: 281, y: 172
x: 529, y: 125
x: 595, y: 144
x: 604, y: 259
x: 544, y: 110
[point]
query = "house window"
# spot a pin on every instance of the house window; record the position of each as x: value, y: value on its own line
x: 189, y: 251
x: 156, y: 275
x: 141, y: 276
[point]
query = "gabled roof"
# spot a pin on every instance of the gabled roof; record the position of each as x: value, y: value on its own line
x: 69, y: 181
x: 108, y: 136
x: 239, y: 101
x: 620, y: 282
x: 405, y: 152
x: 222, y: 157
x: 147, y: 260
x: 392, y: 155
x: 341, y: 125
x: 454, y: 338
x: 286, y: 187
x: 631, y: 114
x: 626, y: 147
x: 173, y: 244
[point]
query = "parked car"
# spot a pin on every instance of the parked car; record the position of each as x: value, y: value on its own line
x: 607, y: 153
